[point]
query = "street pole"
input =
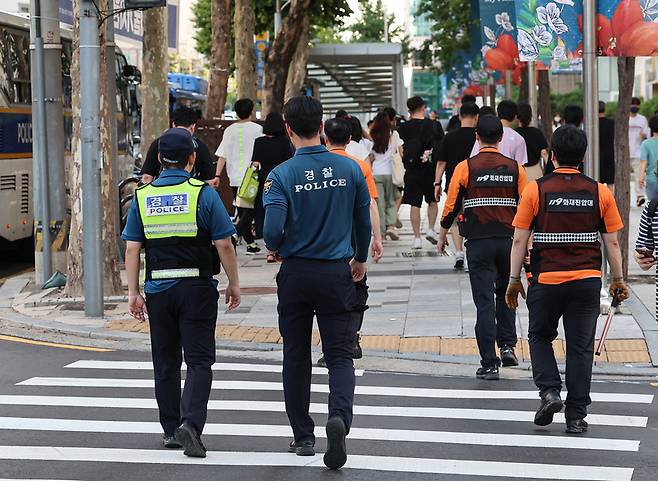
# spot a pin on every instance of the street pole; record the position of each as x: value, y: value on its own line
x: 91, y: 161
x: 277, y: 16
x: 591, y: 86
x: 39, y: 156
x: 111, y: 94
x: 532, y: 92
x: 508, y: 84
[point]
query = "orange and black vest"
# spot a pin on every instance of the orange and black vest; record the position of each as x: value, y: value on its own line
x: 491, y: 197
x: 567, y: 225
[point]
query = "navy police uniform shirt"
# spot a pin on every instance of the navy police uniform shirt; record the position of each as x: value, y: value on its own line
x: 312, y: 203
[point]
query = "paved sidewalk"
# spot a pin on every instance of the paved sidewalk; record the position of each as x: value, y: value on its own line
x: 418, y: 304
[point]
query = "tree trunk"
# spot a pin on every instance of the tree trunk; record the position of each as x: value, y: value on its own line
x: 245, y: 57
x: 74, y: 273
x: 544, y: 103
x: 523, y: 88
x: 220, y: 15
x: 626, y: 72
x: 297, y: 72
x: 280, y: 55
x: 109, y: 191
x: 155, y: 94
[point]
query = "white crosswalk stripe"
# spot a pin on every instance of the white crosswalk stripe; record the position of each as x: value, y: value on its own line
x: 467, y: 418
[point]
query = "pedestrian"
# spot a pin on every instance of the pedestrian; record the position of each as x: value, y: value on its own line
x: 574, y: 116
x: 337, y: 132
x: 454, y: 122
x: 535, y: 142
x: 271, y: 150
x: 488, y: 187
x: 422, y: 138
x: 235, y: 152
x: 645, y: 246
x: 513, y: 144
x: 385, y: 147
x: 566, y: 212
x: 204, y: 166
x: 178, y: 219
x: 637, y: 133
x: 359, y: 146
x: 314, y: 204
x: 456, y: 147
x: 649, y: 162
x: 606, y: 149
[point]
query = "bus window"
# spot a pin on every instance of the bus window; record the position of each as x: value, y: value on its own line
x: 19, y: 67
x: 5, y: 81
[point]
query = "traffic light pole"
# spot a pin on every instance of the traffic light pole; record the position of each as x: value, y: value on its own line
x: 91, y: 159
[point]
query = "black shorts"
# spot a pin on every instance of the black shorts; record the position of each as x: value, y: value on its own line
x: 416, y: 187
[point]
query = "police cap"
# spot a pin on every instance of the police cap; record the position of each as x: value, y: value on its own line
x: 489, y: 128
x: 176, y: 145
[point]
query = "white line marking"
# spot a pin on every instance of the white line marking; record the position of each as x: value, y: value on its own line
x: 219, y: 366
x: 317, y: 408
x: 370, y: 463
x: 323, y: 388
x: 368, y: 434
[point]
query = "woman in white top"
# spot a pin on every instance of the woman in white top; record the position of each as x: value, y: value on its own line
x: 359, y: 146
x: 386, y: 144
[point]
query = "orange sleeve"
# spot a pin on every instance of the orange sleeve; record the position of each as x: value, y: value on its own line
x: 370, y: 180
x: 458, y: 182
x: 609, y: 211
x: 523, y: 180
x: 528, y: 206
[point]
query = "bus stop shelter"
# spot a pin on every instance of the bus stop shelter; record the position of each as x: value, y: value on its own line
x: 357, y: 77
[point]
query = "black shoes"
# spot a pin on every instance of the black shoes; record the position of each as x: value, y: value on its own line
x: 550, y: 405
x: 253, y: 249
x: 507, y: 356
x: 459, y: 264
x: 576, y: 426
x: 170, y: 442
x: 489, y: 373
x: 336, y: 455
x: 321, y: 362
x: 191, y: 441
x: 302, y: 448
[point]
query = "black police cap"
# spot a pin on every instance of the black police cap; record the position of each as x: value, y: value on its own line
x: 489, y: 127
x: 176, y: 145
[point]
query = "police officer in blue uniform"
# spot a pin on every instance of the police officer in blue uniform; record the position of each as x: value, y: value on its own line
x: 183, y: 225
x: 313, y: 203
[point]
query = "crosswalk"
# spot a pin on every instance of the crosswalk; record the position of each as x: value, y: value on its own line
x: 464, y: 428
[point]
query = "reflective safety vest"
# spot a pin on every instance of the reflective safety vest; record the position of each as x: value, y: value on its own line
x: 491, y: 196
x: 176, y: 247
x: 567, y: 225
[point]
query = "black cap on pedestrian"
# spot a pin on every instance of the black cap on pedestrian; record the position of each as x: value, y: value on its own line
x: 175, y: 146
x: 489, y: 128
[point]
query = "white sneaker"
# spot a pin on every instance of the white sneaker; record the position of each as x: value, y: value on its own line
x: 417, y: 244
x: 431, y: 236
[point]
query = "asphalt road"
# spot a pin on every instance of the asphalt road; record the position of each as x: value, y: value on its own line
x: 83, y: 415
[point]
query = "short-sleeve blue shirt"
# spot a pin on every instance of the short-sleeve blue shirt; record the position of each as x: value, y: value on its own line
x: 212, y: 217
x: 320, y: 191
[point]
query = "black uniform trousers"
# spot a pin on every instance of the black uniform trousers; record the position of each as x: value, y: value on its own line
x: 489, y: 270
x: 324, y: 289
x: 578, y: 303
x: 184, y: 316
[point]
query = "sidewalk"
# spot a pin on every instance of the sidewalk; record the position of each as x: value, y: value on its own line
x: 418, y: 304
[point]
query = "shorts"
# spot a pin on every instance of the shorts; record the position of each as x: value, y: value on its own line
x: 416, y: 187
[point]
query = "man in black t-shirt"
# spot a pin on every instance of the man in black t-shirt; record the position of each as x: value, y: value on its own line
x: 204, y: 168
x: 606, y: 149
x: 455, y: 148
x: 454, y: 123
x: 422, y: 139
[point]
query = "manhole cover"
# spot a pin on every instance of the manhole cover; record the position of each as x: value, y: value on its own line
x: 418, y: 254
x: 80, y: 306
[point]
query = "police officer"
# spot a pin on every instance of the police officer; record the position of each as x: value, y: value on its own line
x: 313, y: 203
x: 178, y: 219
x: 567, y: 211
x: 488, y: 186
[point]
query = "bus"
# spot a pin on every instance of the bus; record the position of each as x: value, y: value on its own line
x: 16, y: 214
x: 187, y: 90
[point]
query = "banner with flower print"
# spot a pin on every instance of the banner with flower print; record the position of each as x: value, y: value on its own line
x: 467, y: 69
x: 498, y: 32
x: 550, y: 32
x: 627, y: 28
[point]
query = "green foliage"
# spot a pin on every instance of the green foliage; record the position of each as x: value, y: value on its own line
x: 201, y: 14
x: 371, y: 25
x: 451, y: 20
x: 611, y: 109
x: 560, y: 101
x: 649, y: 107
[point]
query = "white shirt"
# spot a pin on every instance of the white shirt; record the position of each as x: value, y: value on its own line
x: 512, y: 146
x: 636, y: 126
x: 360, y: 150
x: 237, y: 148
x: 383, y: 163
